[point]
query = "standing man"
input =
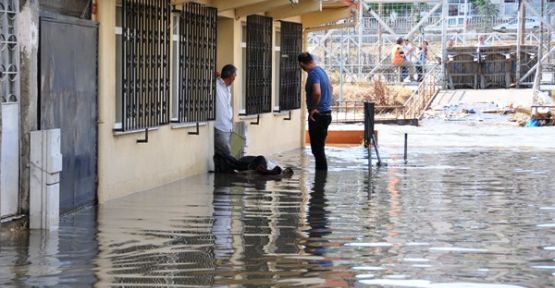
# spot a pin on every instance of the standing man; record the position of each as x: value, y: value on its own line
x: 318, y: 101
x: 224, y: 113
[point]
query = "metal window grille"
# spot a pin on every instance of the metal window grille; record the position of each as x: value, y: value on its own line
x: 146, y: 69
x: 259, y: 64
x: 290, y: 71
x: 9, y: 51
x: 197, y: 63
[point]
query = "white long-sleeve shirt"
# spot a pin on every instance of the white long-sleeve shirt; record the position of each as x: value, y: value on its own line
x: 224, y: 112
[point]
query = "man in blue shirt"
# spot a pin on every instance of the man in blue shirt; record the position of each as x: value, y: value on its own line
x: 318, y: 101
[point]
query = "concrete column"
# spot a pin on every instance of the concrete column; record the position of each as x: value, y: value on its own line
x: 29, y: 43
x: 444, y: 16
x: 46, y: 166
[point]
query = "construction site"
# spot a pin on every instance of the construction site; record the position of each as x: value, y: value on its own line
x: 475, y: 45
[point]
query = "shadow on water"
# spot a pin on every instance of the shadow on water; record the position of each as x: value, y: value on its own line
x: 447, y: 218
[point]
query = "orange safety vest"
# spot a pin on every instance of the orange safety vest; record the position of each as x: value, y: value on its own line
x: 396, y: 56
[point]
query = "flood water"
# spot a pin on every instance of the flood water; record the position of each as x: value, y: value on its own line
x: 450, y: 217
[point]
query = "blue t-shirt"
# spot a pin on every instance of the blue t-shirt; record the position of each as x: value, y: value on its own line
x: 315, y: 76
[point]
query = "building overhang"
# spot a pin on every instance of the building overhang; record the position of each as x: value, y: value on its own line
x: 314, y: 13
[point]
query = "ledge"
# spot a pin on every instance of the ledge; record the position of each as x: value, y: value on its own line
x: 188, y: 125
x: 281, y: 113
x: 248, y: 117
x: 121, y: 133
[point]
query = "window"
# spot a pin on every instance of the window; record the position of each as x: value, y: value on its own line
x: 9, y: 52
x: 244, y: 68
x: 144, y: 48
x: 176, y: 73
x: 259, y: 65
x: 197, y: 63
x: 277, y: 60
x: 118, y: 68
x: 289, y: 69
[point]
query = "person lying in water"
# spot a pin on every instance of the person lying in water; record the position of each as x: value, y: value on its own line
x: 257, y: 164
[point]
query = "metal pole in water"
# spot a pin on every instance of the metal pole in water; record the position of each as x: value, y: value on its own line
x: 406, y: 142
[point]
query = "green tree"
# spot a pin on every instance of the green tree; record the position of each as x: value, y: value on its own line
x: 485, y: 7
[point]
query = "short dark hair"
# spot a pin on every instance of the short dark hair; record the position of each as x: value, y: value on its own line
x: 305, y: 58
x: 400, y: 40
x: 228, y: 71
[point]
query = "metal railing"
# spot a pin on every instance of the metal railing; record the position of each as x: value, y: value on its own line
x: 413, y: 108
x: 353, y: 112
x: 420, y: 99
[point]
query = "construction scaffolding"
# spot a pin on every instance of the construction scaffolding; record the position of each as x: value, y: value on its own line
x: 357, y: 56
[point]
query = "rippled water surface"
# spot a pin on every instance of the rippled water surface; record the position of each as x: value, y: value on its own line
x: 448, y: 218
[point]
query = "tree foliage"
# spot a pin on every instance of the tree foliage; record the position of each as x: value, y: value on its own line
x: 485, y: 7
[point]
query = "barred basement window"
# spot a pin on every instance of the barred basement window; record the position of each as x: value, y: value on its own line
x: 9, y: 52
x: 259, y: 65
x: 197, y: 63
x: 145, y: 97
x: 290, y: 71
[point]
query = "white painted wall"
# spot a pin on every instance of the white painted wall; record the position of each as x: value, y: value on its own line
x: 9, y: 171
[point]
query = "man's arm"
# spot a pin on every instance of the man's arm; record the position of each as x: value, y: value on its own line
x: 316, y: 95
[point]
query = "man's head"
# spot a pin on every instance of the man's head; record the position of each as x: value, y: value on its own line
x: 229, y: 72
x: 306, y: 61
x: 400, y: 41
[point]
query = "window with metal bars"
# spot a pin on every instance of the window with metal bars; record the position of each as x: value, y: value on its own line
x: 259, y: 65
x: 289, y: 69
x: 145, y: 64
x: 197, y: 63
x: 9, y: 51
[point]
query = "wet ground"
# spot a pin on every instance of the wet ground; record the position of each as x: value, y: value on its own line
x: 461, y: 213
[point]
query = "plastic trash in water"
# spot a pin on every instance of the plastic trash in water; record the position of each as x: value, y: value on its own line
x: 532, y: 123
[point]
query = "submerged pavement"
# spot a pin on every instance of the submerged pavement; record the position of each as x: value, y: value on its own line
x: 473, y: 207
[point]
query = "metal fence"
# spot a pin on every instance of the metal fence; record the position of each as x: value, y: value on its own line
x: 197, y: 63
x: 290, y: 71
x: 146, y: 69
x: 259, y: 65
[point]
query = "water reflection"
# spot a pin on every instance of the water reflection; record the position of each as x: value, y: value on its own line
x: 318, y: 216
x: 447, y: 219
x: 51, y: 259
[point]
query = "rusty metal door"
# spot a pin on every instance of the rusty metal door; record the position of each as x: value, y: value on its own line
x: 68, y: 100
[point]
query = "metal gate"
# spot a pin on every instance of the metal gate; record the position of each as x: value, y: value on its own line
x: 68, y: 100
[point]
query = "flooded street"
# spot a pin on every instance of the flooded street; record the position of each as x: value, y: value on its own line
x: 453, y: 216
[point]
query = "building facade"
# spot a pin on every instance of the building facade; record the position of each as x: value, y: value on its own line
x: 131, y: 85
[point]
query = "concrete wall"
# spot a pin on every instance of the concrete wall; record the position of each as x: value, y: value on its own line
x: 29, y: 45
x: 273, y: 134
x: 125, y: 166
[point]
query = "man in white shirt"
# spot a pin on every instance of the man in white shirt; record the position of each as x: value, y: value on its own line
x: 224, y: 113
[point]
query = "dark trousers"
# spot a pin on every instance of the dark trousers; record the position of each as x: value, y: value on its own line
x: 318, y: 130
x: 404, y: 73
x: 420, y: 71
